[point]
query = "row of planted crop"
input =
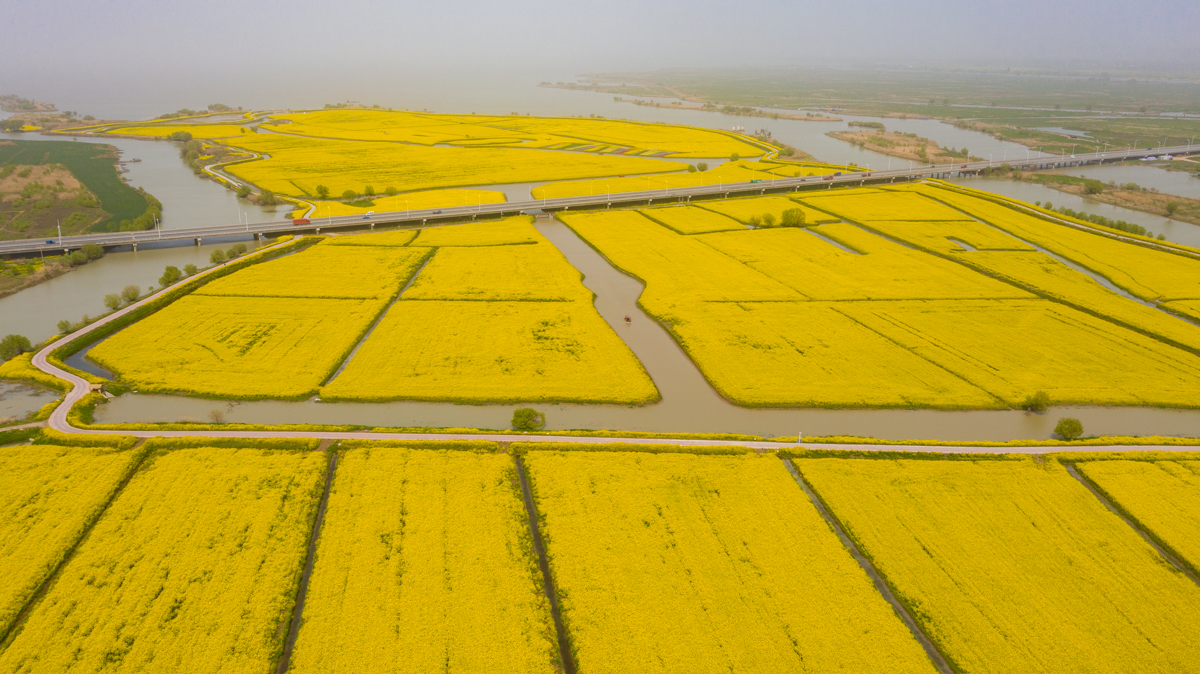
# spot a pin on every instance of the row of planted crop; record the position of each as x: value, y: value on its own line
x: 187, y: 554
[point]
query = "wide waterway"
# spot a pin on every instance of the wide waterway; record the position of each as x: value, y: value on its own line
x: 688, y: 402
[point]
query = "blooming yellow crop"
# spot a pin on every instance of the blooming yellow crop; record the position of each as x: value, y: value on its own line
x: 21, y: 368
x: 881, y: 205
x: 197, y: 130
x: 193, y: 568
x: 529, y: 272
x: 691, y: 219
x: 296, y: 166
x: 424, y: 564
x: 698, y: 564
x: 238, y: 347
x: 1163, y: 496
x: 1012, y: 347
x: 746, y: 208
x: 881, y: 269
x: 1186, y: 307
x: 396, y: 237
x: 339, y: 272
x: 943, y: 237
x: 48, y: 495
x: 476, y: 351
x: 515, y: 229
x: 1013, y: 566
x: 407, y: 201
x: 1144, y: 272
x: 732, y: 172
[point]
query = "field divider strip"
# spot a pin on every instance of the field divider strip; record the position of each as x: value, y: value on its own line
x: 565, y: 656
x: 379, y: 319
x: 285, y: 656
x: 44, y: 587
x: 936, y: 656
x: 1128, y: 519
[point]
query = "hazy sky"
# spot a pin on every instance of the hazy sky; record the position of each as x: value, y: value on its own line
x: 71, y: 49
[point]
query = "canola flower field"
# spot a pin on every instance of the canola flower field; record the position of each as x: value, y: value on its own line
x: 1013, y: 566
x: 48, y: 495
x: 192, y: 568
x: 920, y: 296
x: 683, y: 563
x: 425, y: 564
x: 1162, y: 496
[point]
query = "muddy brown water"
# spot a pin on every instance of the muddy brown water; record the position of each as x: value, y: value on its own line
x: 689, y: 403
x: 18, y: 400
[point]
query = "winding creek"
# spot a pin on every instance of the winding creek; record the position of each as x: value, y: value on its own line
x: 689, y: 404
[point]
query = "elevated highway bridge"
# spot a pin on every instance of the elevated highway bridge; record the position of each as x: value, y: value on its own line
x: 418, y: 217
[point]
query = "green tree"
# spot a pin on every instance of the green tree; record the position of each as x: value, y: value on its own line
x: 369, y: 190
x: 14, y: 345
x: 267, y: 198
x: 64, y: 326
x: 112, y: 301
x: 189, y: 269
x: 130, y: 293
x: 691, y: 168
x: 349, y: 194
x: 756, y: 221
x: 322, y: 192
x: 702, y: 166
x: 391, y: 191
x: 768, y: 219
x: 183, y: 136
x: 734, y: 157
x: 77, y: 258
x: 793, y: 217
x: 528, y: 419
x: 1038, y: 402
x: 92, y: 251
x: 1172, y: 207
x: 217, y: 256
x: 1068, y: 428
x: 1093, y: 187
x: 170, y: 275
x: 243, y: 191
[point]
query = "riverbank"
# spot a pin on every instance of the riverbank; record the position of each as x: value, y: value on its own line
x: 908, y: 146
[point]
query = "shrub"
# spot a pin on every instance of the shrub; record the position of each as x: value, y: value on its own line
x: 14, y: 345
x: 528, y: 419
x: 170, y: 275
x: 691, y: 168
x: 768, y: 220
x: 702, y: 166
x: 1093, y: 187
x: 322, y: 192
x: 756, y: 221
x: 1172, y: 207
x: 77, y: 258
x: 793, y: 217
x: 183, y: 136
x: 369, y: 190
x: 267, y: 198
x: 112, y: 301
x: 734, y: 157
x: 391, y: 191
x: 64, y: 326
x: 130, y: 293
x: 217, y: 256
x: 349, y: 194
x: 243, y: 191
x: 1068, y: 428
x: 189, y: 269
x: 1038, y: 402
x: 92, y: 251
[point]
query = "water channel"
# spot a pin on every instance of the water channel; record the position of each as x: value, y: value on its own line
x: 18, y: 400
x: 689, y: 403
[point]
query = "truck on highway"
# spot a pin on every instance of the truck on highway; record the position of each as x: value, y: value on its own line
x: 300, y: 221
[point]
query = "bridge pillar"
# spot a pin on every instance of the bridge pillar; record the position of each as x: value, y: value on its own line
x: 318, y: 230
x: 424, y: 220
x: 135, y: 246
x: 372, y: 226
x: 197, y: 241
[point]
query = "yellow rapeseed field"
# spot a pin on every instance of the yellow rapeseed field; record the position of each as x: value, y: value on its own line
x: 197, y: 130
x: 882, y: 269
x: 1144, y: 272
x: 808, y: 354
x: 238, y: 347
x: 881, y: 205
x: 396, y: 237
x: 1186, y: 307
x: 676, y: 268
x: 1013, y: 566
x: 424, y: 564
x: 944, y: 237
x: 746, y: 208
x: 407, y: 201
x: 535, y: 272
x: 685, y: 563
x: 691, y: 220
x: 511, y: 230
x: 336, y: 272
x: 193, y: 568
x: 493, y: 352
x: 297, y: 165
x: 1163, y: 496
x: 1047, y: 276
x: 732, y: 172
x: 48, y: 495
x: 1012, y: 347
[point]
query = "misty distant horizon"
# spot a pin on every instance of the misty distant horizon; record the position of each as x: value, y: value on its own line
x: 141, y: 58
